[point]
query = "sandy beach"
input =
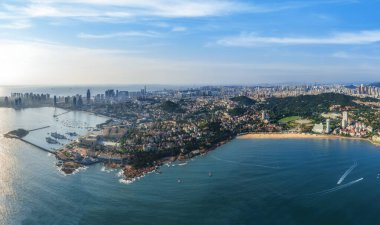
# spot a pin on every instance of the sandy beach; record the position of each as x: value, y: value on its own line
x: 300, y: 136
x: 291, y: 136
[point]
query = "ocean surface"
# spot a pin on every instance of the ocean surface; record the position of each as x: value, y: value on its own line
x: 257, y: 182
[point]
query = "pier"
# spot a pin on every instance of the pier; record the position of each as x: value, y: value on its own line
x: 39, y: 147
x: 21, y: 133
x: 38, y: 128
x: 56, y: 115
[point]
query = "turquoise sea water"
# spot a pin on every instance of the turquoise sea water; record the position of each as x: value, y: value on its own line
x: 253, y: 182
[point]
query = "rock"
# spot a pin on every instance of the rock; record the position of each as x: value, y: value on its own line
x: 182, y: 157
x: 70, y: 167
x: 131, y: 172
x: 195, y: 152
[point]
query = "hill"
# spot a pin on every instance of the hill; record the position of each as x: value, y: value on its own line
x: 376, y: 84
x: 306, y: 105
x: 243, y: 100
x: 171, y: 107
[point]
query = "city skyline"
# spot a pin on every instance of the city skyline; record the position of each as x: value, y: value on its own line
x: 188, y: 42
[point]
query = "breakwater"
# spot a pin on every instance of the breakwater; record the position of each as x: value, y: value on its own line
x: 37, y: 146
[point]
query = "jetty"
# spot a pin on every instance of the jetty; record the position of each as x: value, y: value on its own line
x: 37, y: 146
x: 21, y: 133
x: 56, y: 115
x: 40, y: 128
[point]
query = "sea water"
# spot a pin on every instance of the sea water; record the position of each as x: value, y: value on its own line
x: 253, y: 182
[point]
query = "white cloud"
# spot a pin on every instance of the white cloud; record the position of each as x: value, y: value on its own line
x: 179, y: 29
x: 16, y: 25
x: 341, y: 55
x: 118, y: 9
x: 354, y: 56
x: 252, y: 40
x: 122, y: 8
x: 119, y: 34
x: 49, y: 63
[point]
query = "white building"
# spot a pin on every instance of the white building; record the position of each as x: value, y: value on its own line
x: 328, y: 129
x: 318, y: 128
x: 344, y: 119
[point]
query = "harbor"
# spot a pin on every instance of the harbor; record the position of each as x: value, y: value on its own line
x: 21, y: 133
x: 37, y: 146
x: 58, y: 128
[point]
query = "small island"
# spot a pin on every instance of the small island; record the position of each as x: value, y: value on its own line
x: 19, y: 133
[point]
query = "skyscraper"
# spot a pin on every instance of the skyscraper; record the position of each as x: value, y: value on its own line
x: 344, y: 119
x: 80, y: 101
x: 74, y: 101
x: 88, y: 96
x: 328, y: 126
x: 263, y: 115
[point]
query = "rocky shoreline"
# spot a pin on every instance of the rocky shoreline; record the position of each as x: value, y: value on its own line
x: 130, y: 173
x: 69, y: 167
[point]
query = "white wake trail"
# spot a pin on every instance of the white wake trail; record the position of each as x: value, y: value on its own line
x: 340, y: 187
x: 346, y: 173
x: 245, y: 164
x: 337, y: 188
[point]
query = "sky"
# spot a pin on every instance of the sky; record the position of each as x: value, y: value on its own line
x: 213, y: 42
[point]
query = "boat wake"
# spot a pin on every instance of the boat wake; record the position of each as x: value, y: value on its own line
x: 245, y: 164
x: 347, y: 173
x: 328, y: 191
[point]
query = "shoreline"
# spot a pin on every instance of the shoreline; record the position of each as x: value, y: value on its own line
x: 138, y: 173
x: 299, y: 136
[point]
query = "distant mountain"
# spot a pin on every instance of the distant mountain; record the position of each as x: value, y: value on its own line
x: 376, y: 84
x: 350, y: 86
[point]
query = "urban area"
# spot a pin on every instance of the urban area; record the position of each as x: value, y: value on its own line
x: 149, y: 128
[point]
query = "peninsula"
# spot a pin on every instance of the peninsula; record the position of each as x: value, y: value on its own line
x: 148, y: 129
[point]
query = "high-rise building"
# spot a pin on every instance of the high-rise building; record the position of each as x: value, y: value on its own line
x: 110, y: 94
x: 55, y: 100
x: 344, y: 119
x: 74, y: 101
x: 328, y: 129
x: 123, y: 95
x: 263, y: 115
x: 80, y: 101
x: 88, y: 96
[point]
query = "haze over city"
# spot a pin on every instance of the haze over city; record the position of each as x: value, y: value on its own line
x: 188, y: 42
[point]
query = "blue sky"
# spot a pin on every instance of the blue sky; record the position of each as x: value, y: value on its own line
x: 189, y: 42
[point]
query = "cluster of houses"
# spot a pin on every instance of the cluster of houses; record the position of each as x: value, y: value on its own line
x: 348, y: 127
x: 355, y: 129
